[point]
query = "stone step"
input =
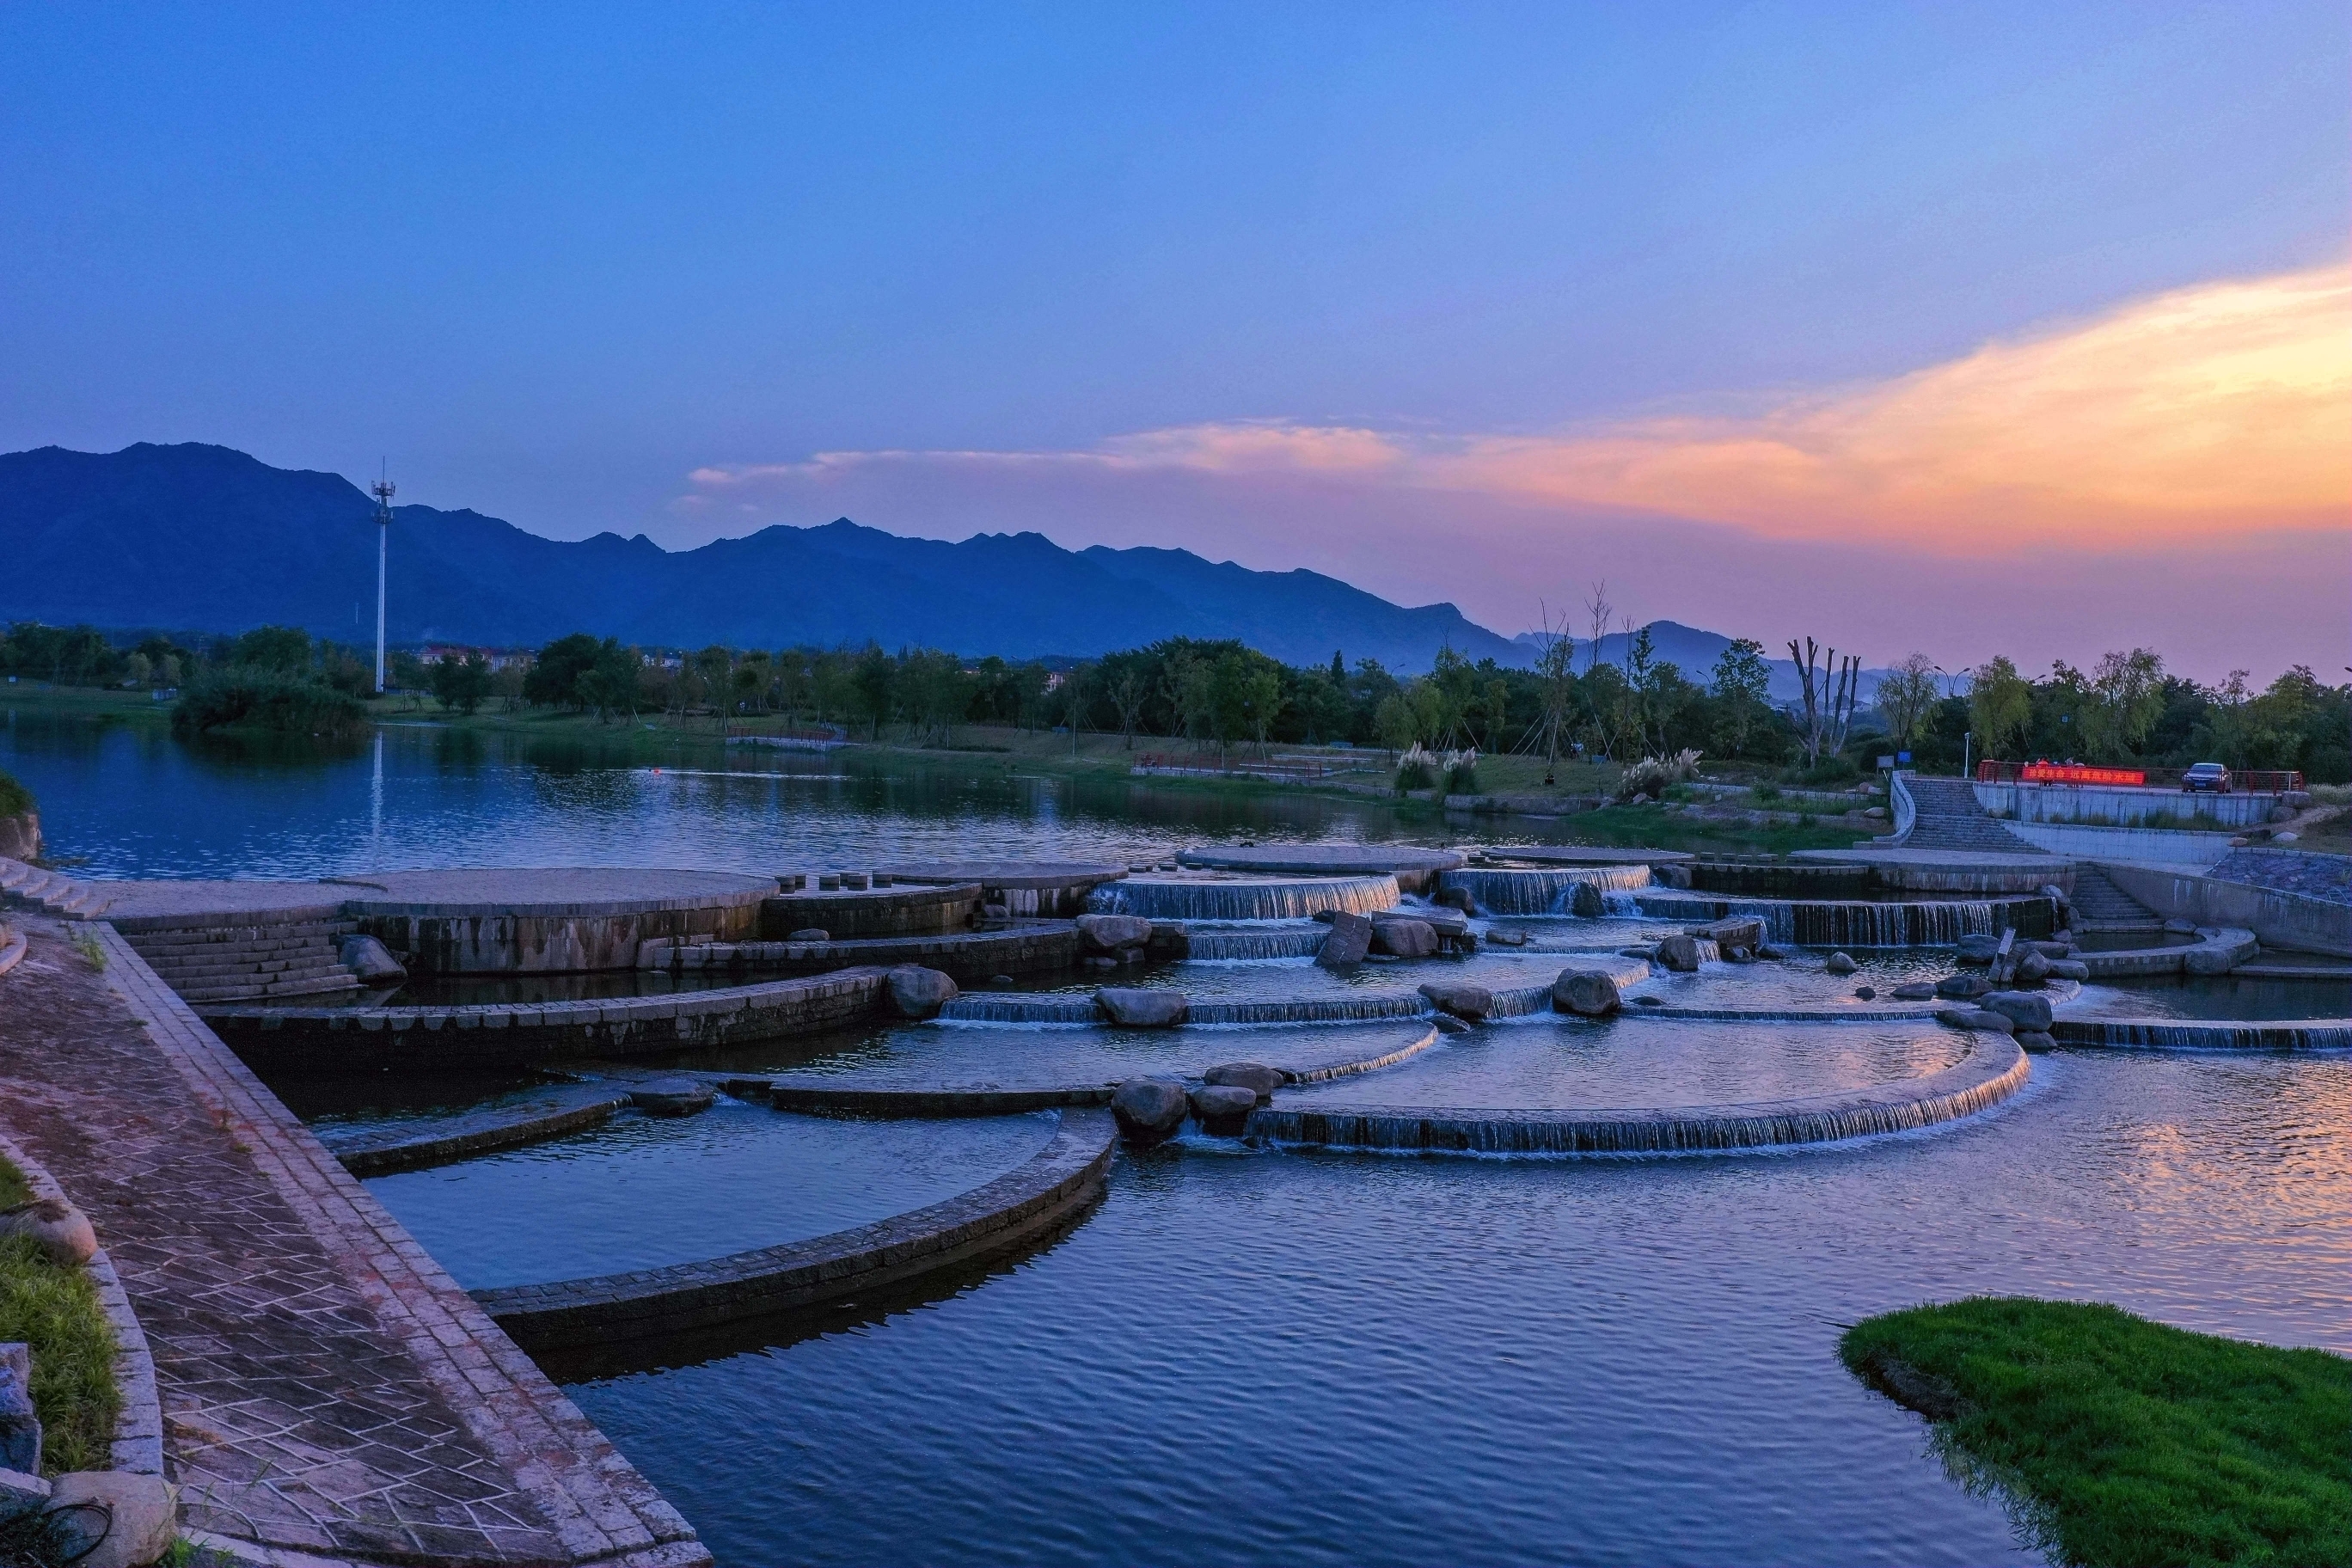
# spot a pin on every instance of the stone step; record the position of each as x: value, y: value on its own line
x: 214, y: 973
x: 217, y: 952
x: 310, y: 988
x: 206, y: 936
x: 2097, y: 899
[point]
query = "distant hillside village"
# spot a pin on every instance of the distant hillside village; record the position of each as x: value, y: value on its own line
x: 2126, y: 711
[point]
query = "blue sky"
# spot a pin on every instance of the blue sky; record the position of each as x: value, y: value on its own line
x: 552, y: 264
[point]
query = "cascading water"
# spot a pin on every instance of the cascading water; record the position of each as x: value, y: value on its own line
x: 1244, y: 946
x: 1806, y: 922
x: 1541, y: 892
x: 1242, y: 898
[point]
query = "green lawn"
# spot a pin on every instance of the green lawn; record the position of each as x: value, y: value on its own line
x: 2125, y: 1441
x: 56, y: 1311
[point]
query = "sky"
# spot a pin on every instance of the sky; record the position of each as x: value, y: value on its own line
x: 1963, y: 330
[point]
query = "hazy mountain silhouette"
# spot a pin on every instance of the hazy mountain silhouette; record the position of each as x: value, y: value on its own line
x: 204, y: 538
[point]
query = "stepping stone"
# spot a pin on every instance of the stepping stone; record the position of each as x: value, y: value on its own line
x: 672, y: 1096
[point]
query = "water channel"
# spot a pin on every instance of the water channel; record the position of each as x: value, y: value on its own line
x: 1255, y: 1354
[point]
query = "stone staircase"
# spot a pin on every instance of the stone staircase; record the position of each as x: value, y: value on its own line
x: 51, y: 892
x: 1951, y: 817
x: 208, y: 962
x: 2100, y: 905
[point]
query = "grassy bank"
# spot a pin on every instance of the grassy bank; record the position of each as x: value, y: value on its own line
x: 56, y: 1311
x: 2125, y: 1441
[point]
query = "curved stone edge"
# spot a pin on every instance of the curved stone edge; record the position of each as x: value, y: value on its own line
x: 523, y: 1032
x: 1267, y: 898
x: 1322, y: 859
x: 1910, y: 1012
x: 465, y: 1137
x: 1372, y: 1009
x: 2205, y: 1034
x: 12, y: 952
x: 1995, y: 1069
x: 850, y: 1097
x: 2227, y: 947
x: 1063, y: 1178
x: 138, y: 1445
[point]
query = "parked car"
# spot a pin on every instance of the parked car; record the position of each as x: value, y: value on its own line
x: 2206, y: 778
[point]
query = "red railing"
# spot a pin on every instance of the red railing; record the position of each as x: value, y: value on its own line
x: 2249, y: 781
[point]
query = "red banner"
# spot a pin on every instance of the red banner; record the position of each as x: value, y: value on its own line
x: 2068, y: 772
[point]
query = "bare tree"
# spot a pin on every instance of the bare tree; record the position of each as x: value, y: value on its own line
x: 1808, y: 671
x: 1597, y: 607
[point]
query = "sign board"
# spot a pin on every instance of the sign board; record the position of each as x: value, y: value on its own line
x: 1886, y: 763
x: 1901, y: 756
x: 2074, y: 773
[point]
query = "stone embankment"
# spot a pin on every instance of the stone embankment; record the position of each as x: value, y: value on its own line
x: 327, y: 1391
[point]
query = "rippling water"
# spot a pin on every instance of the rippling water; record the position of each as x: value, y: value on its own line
x: 1260, y: 1358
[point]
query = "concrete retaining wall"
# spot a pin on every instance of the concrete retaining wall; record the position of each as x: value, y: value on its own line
x: 2093, y: 805
x: 2199, y: 849
x: 2277, y: 919
x: 968, y: 957
x: 922, y: 909
x: 1020, y: 1206
x: 344, y: 1038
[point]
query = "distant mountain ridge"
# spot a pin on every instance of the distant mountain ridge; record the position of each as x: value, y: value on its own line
x: 207, y: 538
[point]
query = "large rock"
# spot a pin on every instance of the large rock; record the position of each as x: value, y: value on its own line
x: 1136, y: 1007
x: 1963, y: 987
x: 2036, y: 1040
x: 1256, y: 1077
x: 1587, y: 902
x: 1460, y: 998
x: 810, y: 933
x: 2026, y: 1009
x: 20, y: 1429
x: 1744, y: 935
x: 59, y: 1229
x: 914, y: 991
x: 1223, y: 1108
x: 672, y: 1096
x: 2033, y: 968
x: 1350, y: 939
x: 1979, y: 948
x: 1149, y: 1108
x: 1912, y: 991
x: 115, y: 1519
x: 1455, y: 898
x: 369, y: 959
x: 2069, y: 969
x: 1679, y: 952
x: 1840, y: 964
x: 21, y: 1493
x: 1108, y: 933
x: 1975, y: 1019
x: 1590, y: 992
x: 1404, y: 939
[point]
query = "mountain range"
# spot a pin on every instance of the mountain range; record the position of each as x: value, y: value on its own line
x: 207, y: 539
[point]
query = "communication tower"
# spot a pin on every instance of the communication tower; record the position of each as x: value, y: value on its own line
x: 383, y: 489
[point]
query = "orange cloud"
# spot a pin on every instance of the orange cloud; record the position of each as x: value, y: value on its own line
x: 2213, y: 411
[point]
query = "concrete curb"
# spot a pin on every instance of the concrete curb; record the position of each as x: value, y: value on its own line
x: 464, y: 1136
x: 1032, y: 1199
x: 2205, y: 1034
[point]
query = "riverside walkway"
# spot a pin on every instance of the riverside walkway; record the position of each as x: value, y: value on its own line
x: 329, y: 1394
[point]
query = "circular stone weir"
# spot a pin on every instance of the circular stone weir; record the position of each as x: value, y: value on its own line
x: 1322, y: 859
x: 543, y: 919
x: 1211, y: 896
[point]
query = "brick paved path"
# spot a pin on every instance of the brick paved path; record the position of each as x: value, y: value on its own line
x: 326, y: 1387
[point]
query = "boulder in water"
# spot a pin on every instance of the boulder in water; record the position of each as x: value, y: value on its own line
x: 369, y: 959
x: 1108, y: 933
x: 1742, y: 934
x: 1455, y: 898
x: 1350, y: 939
x: 2031, y: 968
x: 1447, y: 1024
x: 1138, y: 1008
x: 1867, y: 993
x: 1256, y: 1077
x: 1978, y: 948
x: 1912, y: 991
x: 1586, y: 902
x: 2023, y: 1007
x: 810, y: 933
x: 2069, y: 969
x: 61, y: 1231
x: 1963, y: 987
x: 1404, y: 939
x: 2036, y: 1040
x: 1460, y: 998
x: 1679, y: 952
x: 1975, y: 1019
x: 672, y: 1096
x: 915, y: 991
x: 1588, y: 992
x: 1224, y: 1108
x: 1149, y: 1108
x: 1508, y: 937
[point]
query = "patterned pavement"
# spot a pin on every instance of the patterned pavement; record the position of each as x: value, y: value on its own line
x: 327, y: 1389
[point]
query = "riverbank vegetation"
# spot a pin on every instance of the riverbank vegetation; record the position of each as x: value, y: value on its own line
x: 2123, y: 1441
x: 55, y: 1309
x: 15, y: 798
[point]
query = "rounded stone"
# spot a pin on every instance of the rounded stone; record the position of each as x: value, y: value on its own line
x: 118, y: 1519
x: 1589, y: 992
x: 1255, y: 1077
x: 672, y: 1096
x: 1914, y: 991
x: 1867, y: 993
x: 1460, y: 998
x: 1447, y: 1024
x: 1148, y: 1110
x: 1963, y: 987
x: 810, y: 933
x: 61, y: 1231
x: 1404, y: 939
x: 1222, y: 1109
x: 2027, y: 1010
x: 1139, y: 1007
x: 1840, y: 964
x: 1678, y: 952
x: 2036, y: 1040
x: 1108, y: 933
x: 1586, y: 902
x: 914, y: 991
x: 1649, y: 1002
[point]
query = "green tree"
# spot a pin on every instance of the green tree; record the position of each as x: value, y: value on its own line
x: 1906, y: 695
x: 609, y: 685
x: 284, y: 649
x: 553, y: 680
x: 461, y: 683
x: 2126, y: 698
x: 1742, y: 690
x: 2001, y: 706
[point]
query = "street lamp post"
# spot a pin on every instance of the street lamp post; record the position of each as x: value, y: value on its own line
x: 383, y: 490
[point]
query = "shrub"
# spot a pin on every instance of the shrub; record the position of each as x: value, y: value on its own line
x: 1416, y: 770
x: 248, y: 698
x: 1462, y: 774
x: 15, y: 798
x: 1652, y: 776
